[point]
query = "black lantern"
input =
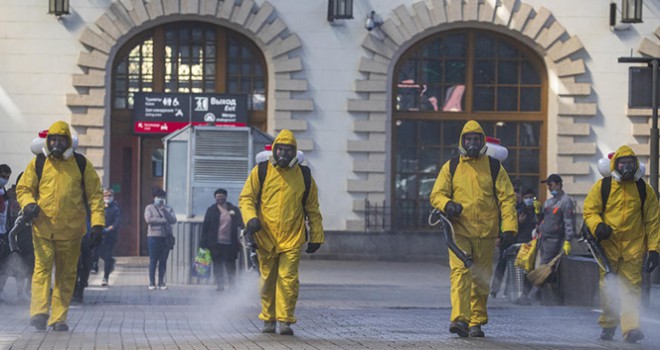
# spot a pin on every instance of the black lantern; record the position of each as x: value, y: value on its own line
x: 340, y: 9
x: 631, y: 11
x: 58, y: 7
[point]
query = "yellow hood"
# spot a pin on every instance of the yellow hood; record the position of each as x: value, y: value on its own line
x: 61, y: 128
x: 285, y: 138
x: 623, y: 151
x: 469, y: 127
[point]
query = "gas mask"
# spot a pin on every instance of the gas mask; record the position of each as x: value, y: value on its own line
x: 473, y: 144
x: 57, y: 145
x: 627, y: 167
x: 284, y: 155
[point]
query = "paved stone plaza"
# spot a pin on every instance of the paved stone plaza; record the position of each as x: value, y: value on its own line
x: 343, y: 305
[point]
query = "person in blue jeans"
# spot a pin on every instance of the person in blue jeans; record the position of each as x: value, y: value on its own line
x: 160, y: 217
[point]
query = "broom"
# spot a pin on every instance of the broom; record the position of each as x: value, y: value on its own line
x: 541, y: 273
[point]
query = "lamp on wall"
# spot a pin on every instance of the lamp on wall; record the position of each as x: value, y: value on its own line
x: 58, y: 8
x: 373, y: 21
x: 631, y: 11
x: 340, y: 9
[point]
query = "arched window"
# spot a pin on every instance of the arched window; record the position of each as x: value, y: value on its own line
x: 191, y: 57
x: 450, y: 78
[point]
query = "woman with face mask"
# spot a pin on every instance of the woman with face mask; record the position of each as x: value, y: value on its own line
x: 160, y: 217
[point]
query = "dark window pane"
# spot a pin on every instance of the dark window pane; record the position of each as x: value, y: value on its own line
x: 425, y: 186
x: 432, y: 98
x: 507, y: 72
x: 511, y: 161
x: 529, y: 160
x: 451, y: 131
x: 530, y: 99
x: 506, y: 50
x: 529, y: 74
x: 429, y: 133
x: 507, y: 99
x: 408, y: 97
x: 507, y: 132
x: 484, y: 72
x: 454, y: 45
x: 455, y: 72
x: 407, y: 71
x: 530, y: 134
x: 431, y: 72
x: 407, y: 159
x: 485, y: 46
x: 484, y: 98
x: 406, y: 132
x: 429, y: 160
x: 433, y: 49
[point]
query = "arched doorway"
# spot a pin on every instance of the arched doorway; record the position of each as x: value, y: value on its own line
x: 179, y: 57
x: 447, y: 79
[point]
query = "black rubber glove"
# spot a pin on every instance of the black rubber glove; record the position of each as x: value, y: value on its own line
x: 95, y: 236
x: 652, y: 261
x: 508, y: 237
x: 31, y: 211
x: 603, y: 231
x: 312, y: 247
x: 453, y: 209
x: 254, y: 225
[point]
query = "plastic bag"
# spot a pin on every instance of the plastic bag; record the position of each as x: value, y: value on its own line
x: 202, y: 265
x: 527, y: 256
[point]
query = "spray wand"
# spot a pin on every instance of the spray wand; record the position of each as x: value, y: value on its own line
x: 595, y: 249
x: 21, y: 226
x: 447, y: 229
x: 249, y: 250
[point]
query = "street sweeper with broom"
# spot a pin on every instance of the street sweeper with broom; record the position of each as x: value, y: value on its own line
x: 475, y: 193
x: 622, y: 212
x: 556, y: 229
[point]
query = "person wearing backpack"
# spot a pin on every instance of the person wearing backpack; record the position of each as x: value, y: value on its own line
x: 56, y: 191
x: 275, y: 201
x: 476, y: 194
x: 626, y: 222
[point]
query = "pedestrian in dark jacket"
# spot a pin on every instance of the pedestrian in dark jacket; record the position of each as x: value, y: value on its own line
x: 222, y: 222
x: 112, y: 223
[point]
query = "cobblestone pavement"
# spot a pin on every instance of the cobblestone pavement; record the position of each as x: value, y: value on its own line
x: 343, y: 305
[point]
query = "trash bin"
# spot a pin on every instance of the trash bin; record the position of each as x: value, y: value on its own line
x: 515, y: 276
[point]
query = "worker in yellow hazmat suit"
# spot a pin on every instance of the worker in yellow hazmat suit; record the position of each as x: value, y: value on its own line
x: 275, y: 209
x: 476, y: 207
x: 627, y: 229
x: 54, y: 199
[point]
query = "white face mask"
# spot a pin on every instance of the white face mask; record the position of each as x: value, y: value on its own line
x: 3, y: 181
x: 159, y: 201
x: 528, y: 201
x: 108, y: 200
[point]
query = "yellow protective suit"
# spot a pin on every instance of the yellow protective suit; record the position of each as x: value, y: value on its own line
x: 283, y: 231
x: 60, y: 226
x: 476, y: 229
x: 633, y: 234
